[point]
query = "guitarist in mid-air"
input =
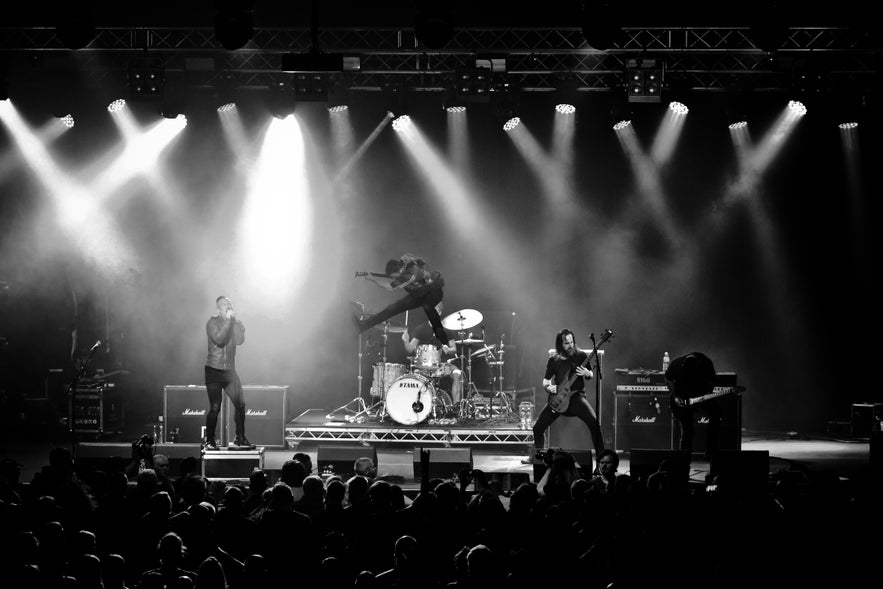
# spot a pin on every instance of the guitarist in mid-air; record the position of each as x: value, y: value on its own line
x: 423, y: 288
x: 567, y: 373
x: 689, y: 377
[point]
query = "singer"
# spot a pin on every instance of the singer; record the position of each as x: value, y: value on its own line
x: 423, y: 287
x: 225, y: 332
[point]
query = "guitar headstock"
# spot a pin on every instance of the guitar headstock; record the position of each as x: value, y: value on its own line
x: 361, y: 274
x: 606, y: 335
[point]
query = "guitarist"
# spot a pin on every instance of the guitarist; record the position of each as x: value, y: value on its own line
x: 567, y: 361
x: 689, y: 376
x: 422, y: 286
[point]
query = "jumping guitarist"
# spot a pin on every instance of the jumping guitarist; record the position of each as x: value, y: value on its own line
x: 691, y: 377
x: 568, y: 369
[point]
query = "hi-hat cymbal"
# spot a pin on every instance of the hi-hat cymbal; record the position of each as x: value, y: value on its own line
x: 483, y: 350
x: 392, y: 328
x: 468, y: 342
x: 462, y: 319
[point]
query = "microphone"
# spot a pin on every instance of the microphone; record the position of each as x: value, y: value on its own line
x: 96, y: 346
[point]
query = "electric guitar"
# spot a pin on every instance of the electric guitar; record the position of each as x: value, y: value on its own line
x: 718, y: 392
x: 560, y: 401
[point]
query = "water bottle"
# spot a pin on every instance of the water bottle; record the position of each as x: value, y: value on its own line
x: 159, y: 430
x: 665, y: 362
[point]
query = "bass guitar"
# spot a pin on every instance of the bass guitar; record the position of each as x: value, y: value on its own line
x: 718, y: 392
x: 560, y: 401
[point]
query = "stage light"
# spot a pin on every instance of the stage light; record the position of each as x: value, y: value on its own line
x: 850, y: 125
x: 227, y: 107
x: 678, y: 108
x: 67, y: 120
x: 146, y: 78
x: 338, y: 97
x: 116, y: 105
x: 234, y: 22
x: 455, y: 109
x: 281, y: 101
x: 511, y: 123
x: 644, y: 80
x: 566, y: 92
x: 621, y: 125
x: 401, y: 123
x: 565, y: 109
x: 738, y: 125
x: 797, y: 107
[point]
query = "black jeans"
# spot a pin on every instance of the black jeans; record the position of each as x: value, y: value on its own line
x: 686, y: 420
x: 233, y: 388
x: 427, y: 300
x: 579, y: 407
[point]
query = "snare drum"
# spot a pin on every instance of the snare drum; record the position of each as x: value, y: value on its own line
x: 384, y: 375
x: 412, y: 398
x: 428, y: 359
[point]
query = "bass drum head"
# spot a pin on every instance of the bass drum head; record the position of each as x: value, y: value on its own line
x: 410, y: 399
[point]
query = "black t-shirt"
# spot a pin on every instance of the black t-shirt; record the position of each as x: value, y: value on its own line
x: 560, y: 368
x: 691, y: 375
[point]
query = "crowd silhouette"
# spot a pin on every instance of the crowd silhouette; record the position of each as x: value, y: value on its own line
x: 72, y: 526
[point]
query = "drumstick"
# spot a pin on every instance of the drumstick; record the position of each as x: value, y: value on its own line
x: 406, y: 318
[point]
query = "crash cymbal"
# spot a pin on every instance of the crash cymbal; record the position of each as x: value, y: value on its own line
x: 462, y: 319
x: 483, y: 350
x: 468, y: 342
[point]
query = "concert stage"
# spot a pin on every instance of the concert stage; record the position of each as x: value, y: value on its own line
x: 317, y: 425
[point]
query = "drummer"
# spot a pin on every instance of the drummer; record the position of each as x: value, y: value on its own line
x: 433, y: 358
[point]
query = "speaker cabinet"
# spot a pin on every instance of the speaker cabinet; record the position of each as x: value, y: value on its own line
x: 730, y: 428
x: 184, y: 409
x: 340, y: 460
x: 643, y: 420
x: 266, y: 410
x: 747, y: 470
x: 105, y: 456
x: 444, y: 463
x: 645, y: 461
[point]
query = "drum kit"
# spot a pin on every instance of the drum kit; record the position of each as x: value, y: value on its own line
x: 411, y: 395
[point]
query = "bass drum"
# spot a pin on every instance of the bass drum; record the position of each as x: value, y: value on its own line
x: 413, y: 398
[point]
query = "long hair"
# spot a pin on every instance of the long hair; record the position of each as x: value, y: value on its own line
x: 559, y: 341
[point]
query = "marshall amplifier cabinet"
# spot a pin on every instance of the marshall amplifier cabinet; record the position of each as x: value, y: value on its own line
x: 266, y: 408
x: 184, y: 409
x: 731, y: 418
x: 643, y: 420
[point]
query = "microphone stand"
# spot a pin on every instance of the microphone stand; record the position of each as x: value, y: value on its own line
x: 72, y: 399
x: 597, y: 387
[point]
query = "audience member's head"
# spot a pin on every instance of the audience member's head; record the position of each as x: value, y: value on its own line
x: 233, y: 498
x: 314, y: 488
x: 162, y: 466
x: 365, y: 467
x: 357, y: 490
x: 113, y: 571
x: 193, y: 489
x: 304, y: 459
x: 170, y: 550
x: 335, y: 493
x: 293, y: 473
x: 210, y: 575
x: 281, y: 496
x: 258, y: 481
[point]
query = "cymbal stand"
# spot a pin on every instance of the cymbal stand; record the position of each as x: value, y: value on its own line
x: 358, y: 401
x: 378, y: 409
x: 505, y: 403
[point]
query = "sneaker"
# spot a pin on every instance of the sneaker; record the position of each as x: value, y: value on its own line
x: 210, y: 445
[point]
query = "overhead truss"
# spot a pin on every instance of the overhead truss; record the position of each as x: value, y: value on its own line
x: 536, y: 59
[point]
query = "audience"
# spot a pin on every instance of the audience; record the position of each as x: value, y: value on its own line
x: 112, y: 533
